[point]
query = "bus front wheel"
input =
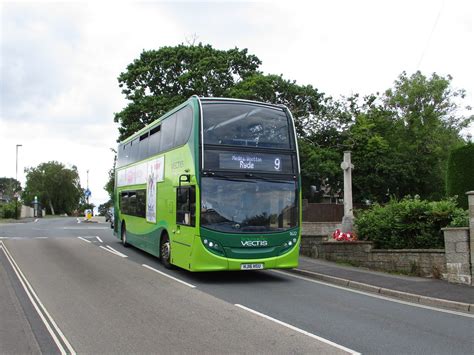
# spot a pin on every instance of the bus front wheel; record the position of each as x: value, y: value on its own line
x: 124, y: 235
x: 165, y: 251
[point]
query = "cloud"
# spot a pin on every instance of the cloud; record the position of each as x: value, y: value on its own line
x: 59, y: 62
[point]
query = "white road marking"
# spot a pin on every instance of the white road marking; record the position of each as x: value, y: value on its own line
x: 78, y: 228
x: 38, y: 304
x: 376, y: 295
x: 169, y: 276
x: 78, y: 221
x: 115, y: 252
x: 36, y: 220
x: 98, y: 238
x: 311, y: 335
x: 84, y: 239
x: 41, y: 237
x: 3, y: 237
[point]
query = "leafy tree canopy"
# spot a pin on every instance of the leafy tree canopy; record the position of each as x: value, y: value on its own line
x: 9, y: 187
x: 162, y: 79
x: 400, y: 139
x: 57, y: 187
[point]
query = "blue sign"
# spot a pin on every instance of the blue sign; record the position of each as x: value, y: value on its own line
x: 87, y: 193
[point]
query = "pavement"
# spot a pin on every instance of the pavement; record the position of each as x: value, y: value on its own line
x: 429, y: 292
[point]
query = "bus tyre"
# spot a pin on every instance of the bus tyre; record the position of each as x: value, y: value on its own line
x: 165, y: 251
x: 124, y: 236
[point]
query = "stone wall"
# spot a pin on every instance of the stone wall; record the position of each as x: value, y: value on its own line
x: 27, y: 212
x: 421, y: 262
x: 470, y: 198
x: 458, y: 258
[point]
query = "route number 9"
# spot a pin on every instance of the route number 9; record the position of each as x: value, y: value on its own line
x: 277, y: 164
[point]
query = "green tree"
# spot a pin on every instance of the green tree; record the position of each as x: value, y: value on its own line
x: 460, y: 176
x: 110, y: 185
x: 57, y: 187
x: 427, y: 110
x: 401, y: 139
x: 9, y: 187
x: 161, y: 79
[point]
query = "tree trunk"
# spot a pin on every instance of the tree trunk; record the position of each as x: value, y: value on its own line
x: 51, y: 207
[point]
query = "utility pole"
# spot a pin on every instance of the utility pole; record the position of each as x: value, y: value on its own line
x: 16, y: 178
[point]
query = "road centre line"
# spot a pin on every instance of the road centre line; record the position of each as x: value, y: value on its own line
x: 98, y: 238
x: 113, y: 251
x: 375, y: 295
x: 38, y: 305
x: 84, y: 239
x: 169, y: 276
x: 311, y: 335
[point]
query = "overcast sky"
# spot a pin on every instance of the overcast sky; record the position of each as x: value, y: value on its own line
x: 59, y: 62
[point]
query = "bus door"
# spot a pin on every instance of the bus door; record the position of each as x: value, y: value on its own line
x: 183, y: 234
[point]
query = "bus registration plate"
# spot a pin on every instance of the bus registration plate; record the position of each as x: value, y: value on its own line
x: 251, y: 266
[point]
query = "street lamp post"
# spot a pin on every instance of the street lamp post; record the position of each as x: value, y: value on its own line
x: 16, y: 178
x: 87, y: 191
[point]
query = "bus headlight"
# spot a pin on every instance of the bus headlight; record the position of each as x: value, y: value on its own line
x: 213, y: 246
x: 288, y: 245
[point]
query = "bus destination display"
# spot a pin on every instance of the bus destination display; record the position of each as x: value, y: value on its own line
x: 259, y: 162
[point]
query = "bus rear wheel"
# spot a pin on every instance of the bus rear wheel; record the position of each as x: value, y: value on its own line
x: 124, y: 235
x: 165, y: 251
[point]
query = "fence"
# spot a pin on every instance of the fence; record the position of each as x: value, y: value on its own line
x: 323, y: 212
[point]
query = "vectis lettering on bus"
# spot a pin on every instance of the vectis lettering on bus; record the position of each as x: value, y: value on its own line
x: 254, y: 243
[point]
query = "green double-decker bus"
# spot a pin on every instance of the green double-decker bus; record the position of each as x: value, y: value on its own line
x: 212, y: 185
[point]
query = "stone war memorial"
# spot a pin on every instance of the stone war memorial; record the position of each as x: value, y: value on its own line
x: 348, y: 219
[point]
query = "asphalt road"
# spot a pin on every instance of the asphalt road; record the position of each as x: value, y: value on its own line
x: 102, y: 298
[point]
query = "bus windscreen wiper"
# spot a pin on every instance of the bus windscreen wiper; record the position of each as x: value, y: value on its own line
x: 225, y: 177
x: 260, y: 177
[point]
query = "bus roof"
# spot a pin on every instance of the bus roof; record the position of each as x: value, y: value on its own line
x: 202, y: 99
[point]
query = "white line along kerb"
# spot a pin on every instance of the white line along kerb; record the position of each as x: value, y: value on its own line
x: 38, y: 305
x: 311, y: 335
x: 169, y: 276
x: 375, y: 295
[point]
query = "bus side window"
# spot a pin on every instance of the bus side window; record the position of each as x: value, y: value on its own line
x: 154, y: 141
x: 134, y: 151
x: 186, y: 205
x: 184, y: 125
x: 124, y: 202
x: 168, y: 128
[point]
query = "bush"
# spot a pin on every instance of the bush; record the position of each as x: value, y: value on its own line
x: 7, y: 210
x: 411, y: 223
x: 459, y: 179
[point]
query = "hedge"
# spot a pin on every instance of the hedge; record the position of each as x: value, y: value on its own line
x: 411, y: 223
x: 460, y: 175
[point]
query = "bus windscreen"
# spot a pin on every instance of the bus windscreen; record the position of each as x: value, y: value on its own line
x: 241, y: 124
